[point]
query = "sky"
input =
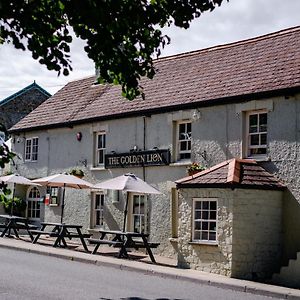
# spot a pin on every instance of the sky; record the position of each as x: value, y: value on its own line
x: 233, y: 21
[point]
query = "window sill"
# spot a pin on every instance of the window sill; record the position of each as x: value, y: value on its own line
x: 98, y: 168
x: 259, y: 158
x: 181, y: 163
x: 203, y: 243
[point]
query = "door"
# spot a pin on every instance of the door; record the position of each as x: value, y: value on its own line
x: 34, y: 204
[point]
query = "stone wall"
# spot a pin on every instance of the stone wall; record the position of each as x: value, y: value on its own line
x: 208, y: 258
x: 248, y: 231
x: 257, y: 233
x: 17, y: 108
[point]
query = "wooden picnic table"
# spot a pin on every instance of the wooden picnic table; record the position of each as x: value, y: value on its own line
x: 60, y: 231
x: 14, y: 223
x: 124, y: 241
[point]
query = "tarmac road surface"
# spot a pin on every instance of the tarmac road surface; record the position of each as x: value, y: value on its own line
x: 32, y: 276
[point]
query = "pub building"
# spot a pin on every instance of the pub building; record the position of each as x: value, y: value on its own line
x: 228, y: 109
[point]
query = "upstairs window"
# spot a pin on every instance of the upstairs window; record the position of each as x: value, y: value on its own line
x: 184, y: 140
x: 100, y: 148
x: 257, y: 133
x: 31, y: 149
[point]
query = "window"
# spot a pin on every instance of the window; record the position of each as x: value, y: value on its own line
x: 138, y: 213
x: 98, y: 210
x: 33, y: 204
x: 184, y: 140
x: 31, y: 149
x: 204, y: 220
x: 54, y: 195
x: 100, y: 148
x: 257, y: 133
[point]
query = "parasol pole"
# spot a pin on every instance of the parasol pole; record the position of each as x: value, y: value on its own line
x: 12, y: 202
x: 63, y: 204
x: 125, y: 211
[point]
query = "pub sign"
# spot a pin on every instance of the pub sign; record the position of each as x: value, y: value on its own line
x: 157, y: 157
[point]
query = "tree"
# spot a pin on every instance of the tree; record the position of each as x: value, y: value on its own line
x: 122, y: 36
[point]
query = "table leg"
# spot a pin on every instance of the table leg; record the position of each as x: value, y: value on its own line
x: 14, y: 227
x: 60, y: 238
x: 82, y: 240
x: 5, y: 230
x: 148, y: 249
x: 123, y: 251
x: 38, y: 234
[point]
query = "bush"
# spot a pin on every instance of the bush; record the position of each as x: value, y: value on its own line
x: 16, y: 203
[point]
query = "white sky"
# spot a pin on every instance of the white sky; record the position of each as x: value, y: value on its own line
x: 234, y: 20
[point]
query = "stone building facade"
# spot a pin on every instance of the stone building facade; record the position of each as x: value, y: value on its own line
x: 20, y: 104
x: 206, y: 106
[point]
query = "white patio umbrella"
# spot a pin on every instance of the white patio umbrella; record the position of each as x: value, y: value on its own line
x: 16, y: 179
x: 64, y: 180
x: 127, y: 183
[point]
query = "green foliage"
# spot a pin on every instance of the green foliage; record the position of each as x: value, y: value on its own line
x: 5, y: 155
x: 122, y: 36
x: 15, y: 205
x: 195, y: 167
x: 77, y: 172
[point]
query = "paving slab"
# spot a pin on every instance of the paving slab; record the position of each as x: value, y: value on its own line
x: 140, y: 262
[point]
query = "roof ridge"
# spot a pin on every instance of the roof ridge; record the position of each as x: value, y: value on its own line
x: 232, y: 44
x: 24, y: 90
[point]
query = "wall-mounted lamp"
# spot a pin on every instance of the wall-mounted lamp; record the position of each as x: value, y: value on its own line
x: 196, y: 114
x: 79, y: 136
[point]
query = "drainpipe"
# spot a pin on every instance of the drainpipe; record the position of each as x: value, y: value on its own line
x: 144, y: 144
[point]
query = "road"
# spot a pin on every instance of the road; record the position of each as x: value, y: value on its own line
x: 31, y: 276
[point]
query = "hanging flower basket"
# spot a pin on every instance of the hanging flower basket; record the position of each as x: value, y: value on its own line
x: 195, y: 168
x: 77, y: 172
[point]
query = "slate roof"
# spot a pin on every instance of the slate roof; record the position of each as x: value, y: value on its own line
x: 34, y: 85
x: 240, y: 71
x: 234, y: 173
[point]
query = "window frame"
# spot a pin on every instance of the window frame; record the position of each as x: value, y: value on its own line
x: 32, y: 154
x: 100, y: 149
x: 143, y: 215
x: 54, y: 193
x: 248, y: 135
x: 179, y: 141
x: 99, y: 209
x: 35, y: 205
x: 208, y: 220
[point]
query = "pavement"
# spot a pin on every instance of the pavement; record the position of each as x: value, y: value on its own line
x: 140, y: 262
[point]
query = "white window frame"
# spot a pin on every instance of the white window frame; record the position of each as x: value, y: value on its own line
x: 31, y: 151
x: 100, y: 149
x: 35, y: 205
x: 187, y: 140
x: 54, y: 193
x: 205, y: 219
x: 248, y: 135
x: 142, y: 216
x: 98, y: 209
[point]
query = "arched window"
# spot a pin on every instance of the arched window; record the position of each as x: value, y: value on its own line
x: 33, y: 204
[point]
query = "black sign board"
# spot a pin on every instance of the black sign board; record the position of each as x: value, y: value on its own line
x: 137, y: 159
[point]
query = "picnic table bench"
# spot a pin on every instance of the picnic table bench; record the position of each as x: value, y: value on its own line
x: 124, y: 241
x: 14, y: 223
x: 61, y: 231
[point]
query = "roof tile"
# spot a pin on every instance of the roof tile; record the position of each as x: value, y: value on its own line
x: 263, y: 64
